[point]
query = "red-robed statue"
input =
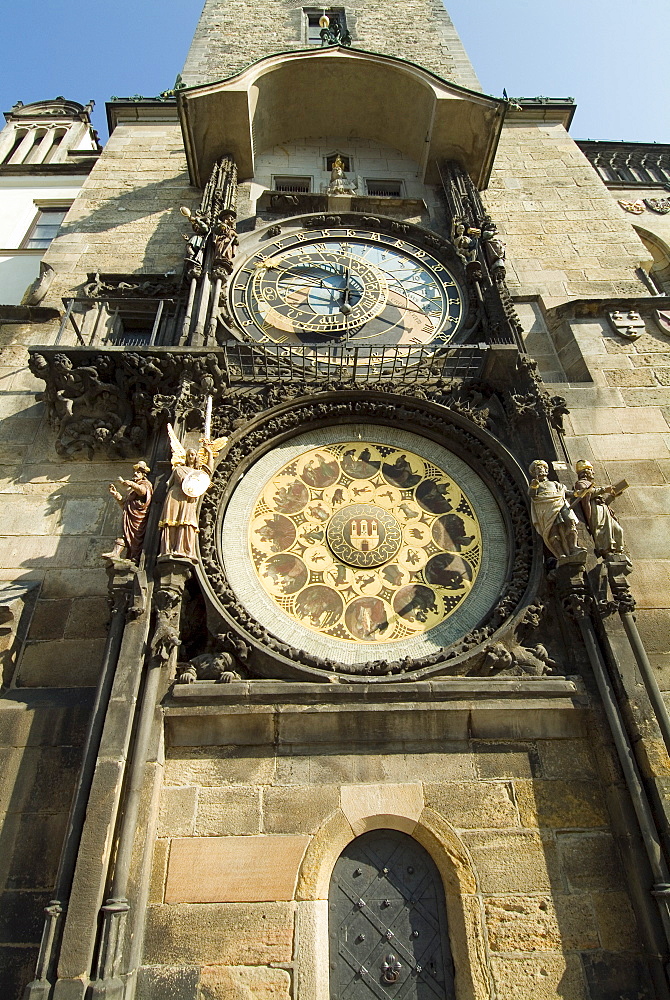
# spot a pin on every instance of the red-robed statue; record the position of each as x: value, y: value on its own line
x: 135, y: 507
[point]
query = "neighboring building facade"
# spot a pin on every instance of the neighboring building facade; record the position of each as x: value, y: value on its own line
x: 326, y: 699
x: 638, y: 174
x: 46, y: 151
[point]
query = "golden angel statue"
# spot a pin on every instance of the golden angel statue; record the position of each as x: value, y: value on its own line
x: 191, y: 477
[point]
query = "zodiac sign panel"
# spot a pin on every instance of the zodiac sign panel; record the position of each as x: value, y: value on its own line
x: 365, y: 542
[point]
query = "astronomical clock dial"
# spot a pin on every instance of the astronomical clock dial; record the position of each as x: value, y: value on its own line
x: 364, y: 543
x: 345, y: 285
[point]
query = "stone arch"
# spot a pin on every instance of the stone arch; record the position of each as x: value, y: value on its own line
x: 660, y: 253
x: 393, y: 807
x: 386, y: 892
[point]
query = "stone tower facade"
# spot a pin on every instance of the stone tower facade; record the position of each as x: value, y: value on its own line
x: 251, y: 749
x: 230, y: 36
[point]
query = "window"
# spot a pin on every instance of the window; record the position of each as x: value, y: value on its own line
x: 34, y: 153
x: 313, y: 27
x: 384, y: 189
x: 45, y: 228
x: 292, y: 185
x: 52, y: 152
x: 346, y: 160
x: 130, y: 329
x: 312, y: 17
x: 19, y: 136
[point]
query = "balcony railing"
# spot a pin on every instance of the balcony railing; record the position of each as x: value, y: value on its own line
x: 120, y: 322
x: 404, y: 365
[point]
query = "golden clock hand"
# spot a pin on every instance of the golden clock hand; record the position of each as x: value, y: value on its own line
x: 422, y: 312
x: 345, y: 308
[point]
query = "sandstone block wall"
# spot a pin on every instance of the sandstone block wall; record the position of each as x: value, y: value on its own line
x: 654, y: 229
x: 57, y: 517
x: 519, y: 829
x: 41, y: 734
x: 233, y: 33
x: 566, y: 237
x: 621, y: 423
x: 126, y: 217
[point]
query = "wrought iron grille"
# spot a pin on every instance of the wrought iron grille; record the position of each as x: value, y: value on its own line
x: 387, y: 922
x: 361, y: 364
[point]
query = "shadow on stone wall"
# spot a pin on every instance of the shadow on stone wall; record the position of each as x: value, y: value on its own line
x: 41, y: 736
x: 139, y: 230
x: 57, y: 519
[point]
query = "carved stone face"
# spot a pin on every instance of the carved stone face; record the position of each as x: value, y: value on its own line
x: 191, y: 458
x: 586, y: 471
x: 540, y: 470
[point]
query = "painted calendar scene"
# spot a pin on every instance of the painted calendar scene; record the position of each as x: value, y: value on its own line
x: 365, y: 542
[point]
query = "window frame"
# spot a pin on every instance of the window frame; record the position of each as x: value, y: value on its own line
x: 300, y: 180
x: 381, y: 180
x: 318, y: 12
x: 43, y: 208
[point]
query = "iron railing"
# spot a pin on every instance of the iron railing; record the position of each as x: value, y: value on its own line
x: 405, y: 365
x: 119, y: 322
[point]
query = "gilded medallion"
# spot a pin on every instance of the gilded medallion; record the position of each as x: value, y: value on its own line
x: 364, y: 542
x: 362, y: 534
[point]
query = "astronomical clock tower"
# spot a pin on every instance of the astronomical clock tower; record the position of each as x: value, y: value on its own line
x: 374, y: 715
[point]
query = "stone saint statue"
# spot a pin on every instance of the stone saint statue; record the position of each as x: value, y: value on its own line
x: 553, y: 518
x: 191, y: 477
x: 225, y: 247
x: 594, y: 507
x: 135, y: 507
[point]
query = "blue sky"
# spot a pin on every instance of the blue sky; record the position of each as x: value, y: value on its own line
x: 610, y: 55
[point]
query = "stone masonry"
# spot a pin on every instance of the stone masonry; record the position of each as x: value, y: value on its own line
x: 250, y: 796
x: 533, y: 852
x: 565, y: 235
x: 126, y: 217
x: 233, y: 33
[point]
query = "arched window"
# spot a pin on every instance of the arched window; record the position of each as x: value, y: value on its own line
x: 33, y: 155
x: 388, y: 923
x: 59, y: 135
x: 19, y: 136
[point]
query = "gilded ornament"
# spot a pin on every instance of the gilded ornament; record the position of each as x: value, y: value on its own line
x: 634, y: 207
x: 364, y: 542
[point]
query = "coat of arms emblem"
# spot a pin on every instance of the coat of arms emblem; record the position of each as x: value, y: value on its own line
x: 634, y: 207
x: 659, y: 205
x: 628, y: 323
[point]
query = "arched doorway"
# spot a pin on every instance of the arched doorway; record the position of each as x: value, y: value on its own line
x: 387, y: 922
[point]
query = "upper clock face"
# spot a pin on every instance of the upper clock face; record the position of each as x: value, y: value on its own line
x: 338, y: 285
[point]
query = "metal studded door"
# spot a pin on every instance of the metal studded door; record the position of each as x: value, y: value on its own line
x: 387, y: 922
